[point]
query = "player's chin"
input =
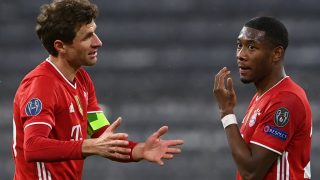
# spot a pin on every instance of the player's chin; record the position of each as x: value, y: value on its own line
x: 245, y: 80
x: 91, y: 61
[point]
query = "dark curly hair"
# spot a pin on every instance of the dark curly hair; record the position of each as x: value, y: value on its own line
x: 61, y: 19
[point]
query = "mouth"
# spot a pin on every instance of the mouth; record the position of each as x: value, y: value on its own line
x: 244, y: 70
x: 93, y: 54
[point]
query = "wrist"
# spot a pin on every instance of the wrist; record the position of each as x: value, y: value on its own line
x: 225, y: 112
x: 228, y: 120
x: 87, y: 147
x: 137, y: 152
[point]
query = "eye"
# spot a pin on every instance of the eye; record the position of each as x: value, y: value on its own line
x: 251, y: 47
x: 239, y: 45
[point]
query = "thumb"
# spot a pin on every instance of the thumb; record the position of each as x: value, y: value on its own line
x: 161, y: 131
x: 114, y: 125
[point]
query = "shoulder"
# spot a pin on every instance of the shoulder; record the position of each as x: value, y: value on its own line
x: 290, y: 93
x: 39, y: 79
x: 42, y: 71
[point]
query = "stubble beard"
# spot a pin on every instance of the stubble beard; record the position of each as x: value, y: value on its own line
x: 245, y: 81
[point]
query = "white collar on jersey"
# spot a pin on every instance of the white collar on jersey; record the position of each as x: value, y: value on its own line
x: 259, y: 97
x: 55, y: 67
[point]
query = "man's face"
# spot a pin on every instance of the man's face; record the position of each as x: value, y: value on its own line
x: 84, y: 49
x: 253, y: 55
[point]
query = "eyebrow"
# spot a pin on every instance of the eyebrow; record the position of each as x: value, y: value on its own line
x: 248, y: 40
x: 87, y: 35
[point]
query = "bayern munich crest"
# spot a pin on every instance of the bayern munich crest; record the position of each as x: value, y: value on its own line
x: 281, y: 117
x: 33, y: 107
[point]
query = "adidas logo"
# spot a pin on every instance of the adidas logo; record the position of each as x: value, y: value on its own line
x: 71, y: 108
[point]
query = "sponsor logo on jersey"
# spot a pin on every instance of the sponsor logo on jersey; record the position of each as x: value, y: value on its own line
x: 275, y: 132
x: 76, y: 133
x: 33, y: 107
x: 281, y: 117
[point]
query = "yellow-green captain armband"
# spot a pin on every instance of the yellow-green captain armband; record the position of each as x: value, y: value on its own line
x: 96, y: 120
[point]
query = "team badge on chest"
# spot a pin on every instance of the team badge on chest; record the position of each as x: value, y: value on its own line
x: 281, y: 117
x: 253, y: 118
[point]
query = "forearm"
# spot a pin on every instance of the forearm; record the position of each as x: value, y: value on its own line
x: 253, y: 161
x: 39, y: 148
x: 241, y: 152
x: 248, y: 162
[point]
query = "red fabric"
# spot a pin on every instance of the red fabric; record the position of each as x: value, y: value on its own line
x: 280, y: 120
x: 45, y: 97
x: 38, y: 147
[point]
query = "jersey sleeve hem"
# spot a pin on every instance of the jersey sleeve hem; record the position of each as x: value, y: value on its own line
x: 36, y: 123
x: 264, y: 146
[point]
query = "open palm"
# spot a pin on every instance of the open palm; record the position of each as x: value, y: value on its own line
x: 156, y: 148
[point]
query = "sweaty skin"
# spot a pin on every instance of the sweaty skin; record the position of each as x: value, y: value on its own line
x: 252, y: 34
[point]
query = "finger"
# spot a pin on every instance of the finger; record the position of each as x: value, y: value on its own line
x: 167, y: 156
x: 230, y: 84
x: 121, y: 136
x: 173, y: 150
x: 224, y: 73
x: 160, y: 162
x: 217, y: 77
x: 174, y: 142
x: 114, y: 125
x: 161, y: 131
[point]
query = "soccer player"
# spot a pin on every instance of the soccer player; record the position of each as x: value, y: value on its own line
x: 274, y: 141
x: 55, y: 106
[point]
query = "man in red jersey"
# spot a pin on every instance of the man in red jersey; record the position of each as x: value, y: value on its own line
x: 55, y: 107
x: 274, y: 141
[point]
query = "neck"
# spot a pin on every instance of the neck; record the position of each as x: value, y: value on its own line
x: 268, y: 82
x: 68, y: 71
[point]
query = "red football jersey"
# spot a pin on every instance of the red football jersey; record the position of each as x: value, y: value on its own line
x: 280, y: 120
x: 46, y: 97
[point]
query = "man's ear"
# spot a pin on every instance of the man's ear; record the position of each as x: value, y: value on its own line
x: 278, y: 53
x: 59, y: 46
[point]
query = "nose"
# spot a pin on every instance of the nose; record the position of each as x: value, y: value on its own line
x: 96, y: 42
x: 241, y: 54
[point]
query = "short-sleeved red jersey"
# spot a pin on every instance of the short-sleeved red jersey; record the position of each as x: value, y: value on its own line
x: 46, y: 97
x: 280, y: 120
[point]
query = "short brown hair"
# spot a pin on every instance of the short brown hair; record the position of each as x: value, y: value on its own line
x: 61, y: 19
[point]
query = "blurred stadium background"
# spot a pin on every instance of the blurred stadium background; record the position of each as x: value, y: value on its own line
x: 156, y: 68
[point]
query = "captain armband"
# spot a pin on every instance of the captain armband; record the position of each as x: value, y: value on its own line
x: 96, y: 120
x: 228, y: 120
